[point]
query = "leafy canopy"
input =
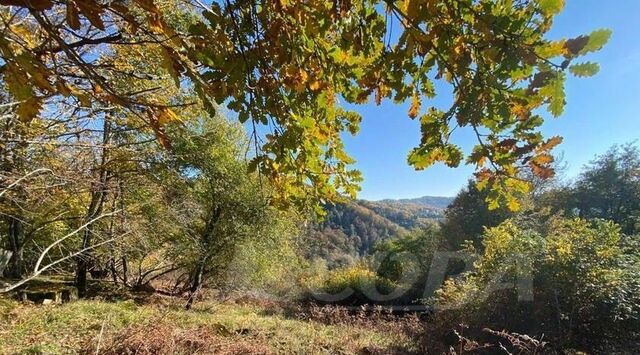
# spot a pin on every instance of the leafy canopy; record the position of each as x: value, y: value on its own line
x: 289, y: 65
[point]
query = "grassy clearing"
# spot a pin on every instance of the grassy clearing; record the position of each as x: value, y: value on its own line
x: 163, y: 327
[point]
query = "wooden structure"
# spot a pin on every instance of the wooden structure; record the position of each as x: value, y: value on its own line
x: 47, y: 292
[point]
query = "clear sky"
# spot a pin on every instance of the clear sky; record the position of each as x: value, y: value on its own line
x: 601, y: 111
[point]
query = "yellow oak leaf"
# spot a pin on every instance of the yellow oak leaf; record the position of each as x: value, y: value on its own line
x: 415, y: 106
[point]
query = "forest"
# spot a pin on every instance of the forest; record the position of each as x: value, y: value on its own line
x: 175, y: 179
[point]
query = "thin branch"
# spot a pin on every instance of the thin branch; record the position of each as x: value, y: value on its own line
x: 35, y: 269
x: 37, y: 171
x: 48, y: 266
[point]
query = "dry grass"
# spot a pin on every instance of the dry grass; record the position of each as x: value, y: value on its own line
x: 163, y: 327
x: 167, y: 339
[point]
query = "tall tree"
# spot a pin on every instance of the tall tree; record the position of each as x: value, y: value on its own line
x: 609, y: 188
x: 220, y: 204
x: 41, y: 169
x: 468, y: 215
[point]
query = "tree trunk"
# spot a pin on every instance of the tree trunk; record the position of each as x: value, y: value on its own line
x: 114, y: 272
x: 125, y: 278
x: 98, y: 197
x: 196, y: 282
x: 12, y: 161
x: 82, y: 265
x: 15, y: 268
x: 205, y: 240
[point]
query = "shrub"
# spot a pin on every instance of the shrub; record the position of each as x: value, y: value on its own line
x: 577, y: 281
x: 407, y: 256
x: 353, y: 285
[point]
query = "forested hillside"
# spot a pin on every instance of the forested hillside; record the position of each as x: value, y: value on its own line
x: 351, y: 229
x: 411, y: 213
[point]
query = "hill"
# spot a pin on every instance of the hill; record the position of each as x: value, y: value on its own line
x: 407, y: 213
x: 439, y: 202
x: 351, y: 229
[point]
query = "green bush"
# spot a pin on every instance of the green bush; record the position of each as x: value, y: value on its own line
x: 583, y: 276
x: 356, y: 283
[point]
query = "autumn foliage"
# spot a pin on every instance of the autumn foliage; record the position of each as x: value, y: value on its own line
x: 291, y: 65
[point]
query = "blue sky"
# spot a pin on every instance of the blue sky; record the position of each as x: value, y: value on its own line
x: 601, y: 111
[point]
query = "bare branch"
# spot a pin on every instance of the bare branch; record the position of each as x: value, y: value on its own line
x: 34, y: 172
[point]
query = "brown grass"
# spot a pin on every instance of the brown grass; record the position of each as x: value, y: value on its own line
x: 168, y: 339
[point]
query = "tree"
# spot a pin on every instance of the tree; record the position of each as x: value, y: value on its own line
x: 609, y: 188
x: 217, y: 204
x: 285, y: 64
x: 89, y: 155
x: 18, y: 242
x: 407, y: 258
x: 471, y: 212
x: 42, y: 173
x: 468, y: 215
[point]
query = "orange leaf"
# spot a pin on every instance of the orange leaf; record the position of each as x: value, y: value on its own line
x: 73, y: 19
x: 166, y: 115
x: 92, y: 11
x: 550, y: 143
x: 154, y: 122
x: 415, y: 106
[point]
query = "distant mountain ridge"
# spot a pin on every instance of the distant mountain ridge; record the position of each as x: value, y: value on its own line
x: 440, y: 202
